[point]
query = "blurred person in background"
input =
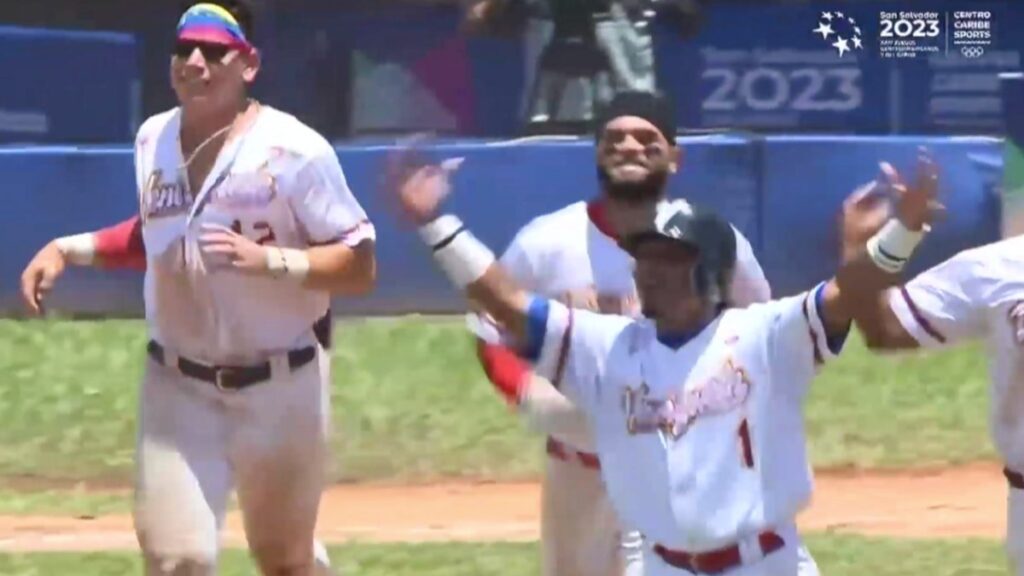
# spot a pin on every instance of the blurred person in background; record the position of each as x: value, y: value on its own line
x: 580, y: 53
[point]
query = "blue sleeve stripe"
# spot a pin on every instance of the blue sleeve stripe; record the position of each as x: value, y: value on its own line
x: 836, y: 342
x: 536, y: 328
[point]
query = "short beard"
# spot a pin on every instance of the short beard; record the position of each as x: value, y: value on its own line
x: 649, y: 189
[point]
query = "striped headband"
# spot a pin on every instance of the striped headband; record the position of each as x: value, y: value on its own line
x: 214, y: 24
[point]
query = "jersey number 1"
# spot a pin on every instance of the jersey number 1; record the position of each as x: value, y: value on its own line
x: 746, y: 447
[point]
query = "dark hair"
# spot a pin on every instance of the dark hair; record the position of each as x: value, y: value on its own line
x: 240, y: 9
x: 655, y: 107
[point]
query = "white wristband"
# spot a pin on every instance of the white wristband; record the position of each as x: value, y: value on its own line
x: 462, y: 257
x: 439, y: 229
x: 893, y: 245
x: 79, y: 249
x: 288, y: 263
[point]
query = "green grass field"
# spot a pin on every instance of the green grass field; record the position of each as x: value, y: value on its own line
x: 410, y: 403
x: 836, y: 556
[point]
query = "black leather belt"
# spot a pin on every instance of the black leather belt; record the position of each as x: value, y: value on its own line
x: 231, y: 377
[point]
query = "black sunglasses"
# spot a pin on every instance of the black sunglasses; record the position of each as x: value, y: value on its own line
x: 210, y: 52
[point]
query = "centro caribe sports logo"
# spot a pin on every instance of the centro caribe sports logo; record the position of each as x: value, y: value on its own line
x: 844, y: 28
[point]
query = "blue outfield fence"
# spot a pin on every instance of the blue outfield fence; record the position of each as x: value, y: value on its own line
x: 68, y: 86
x: 783, y: 192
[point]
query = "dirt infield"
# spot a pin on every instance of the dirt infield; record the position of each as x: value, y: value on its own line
x: 956, y: 502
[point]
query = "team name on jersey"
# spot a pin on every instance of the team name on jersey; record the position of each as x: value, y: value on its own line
x: 245, y: 190
x: 162, y: 198
x: 721, y: 393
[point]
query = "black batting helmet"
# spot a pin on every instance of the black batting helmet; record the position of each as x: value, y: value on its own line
x: 711, y: 236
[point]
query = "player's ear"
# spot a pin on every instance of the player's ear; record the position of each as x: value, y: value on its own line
x: 253, y: 61
x: 675, y: 157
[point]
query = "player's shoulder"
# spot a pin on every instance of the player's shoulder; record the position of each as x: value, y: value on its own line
x: 980, y: 263
x: 751, y: 314
x: 556, y: 220
x: 1001, y: 251
x: 154, y: 125
x: 610, y: 328
x: 548, y: 229
x: 293, y: 136
x: 768, y: 312
x: 551, y: 227
x: 989, y: 273
x: 742, y: 243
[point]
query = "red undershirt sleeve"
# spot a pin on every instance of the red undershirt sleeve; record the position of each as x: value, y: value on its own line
x: 120, y: 246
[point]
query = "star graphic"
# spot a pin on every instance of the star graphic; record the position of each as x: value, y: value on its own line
x: 856, y: 42
x: 841, y: 45
x: 827, y: 16
x: 857, y: 30
x: 839, y: 14
x: 852, y: 21
x: 824, y: 29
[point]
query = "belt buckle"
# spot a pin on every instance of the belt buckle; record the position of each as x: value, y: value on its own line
x: 218, y: 379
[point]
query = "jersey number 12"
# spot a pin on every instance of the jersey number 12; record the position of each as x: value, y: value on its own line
x: 262, y: 230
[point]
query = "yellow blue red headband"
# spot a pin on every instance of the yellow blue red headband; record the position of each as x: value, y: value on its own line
x: 212, y: 24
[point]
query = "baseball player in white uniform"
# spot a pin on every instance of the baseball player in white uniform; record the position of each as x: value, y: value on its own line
x: 977, y: 294
x: 574, y: 255
x: 696, y: 408
x: 247, y: 227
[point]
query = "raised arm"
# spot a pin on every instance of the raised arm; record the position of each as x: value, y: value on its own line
x: 563, y: 343
x: 809, y: 329
x: 879, y: 325
x: 469, y: 264
x: 419, y: 189
x: 872, y: 267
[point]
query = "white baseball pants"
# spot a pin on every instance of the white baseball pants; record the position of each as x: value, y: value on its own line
x: 793, y: 559
x: 195, y: 443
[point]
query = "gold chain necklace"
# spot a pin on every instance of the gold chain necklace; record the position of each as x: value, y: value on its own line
x: 195, y: 152
x: 197, y: 149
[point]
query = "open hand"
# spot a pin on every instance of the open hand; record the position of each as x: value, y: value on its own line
x: 865, y: 211
x: 418, y: 187
x: 915, y: 204
x: 222, y: 244
x: 40, y: 275
x: 870, y: 206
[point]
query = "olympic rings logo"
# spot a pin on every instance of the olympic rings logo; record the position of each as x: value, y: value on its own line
x: 972, y: 51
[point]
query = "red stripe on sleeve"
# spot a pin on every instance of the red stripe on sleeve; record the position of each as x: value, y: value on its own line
x: 506, y: 371
x: 121, y: 245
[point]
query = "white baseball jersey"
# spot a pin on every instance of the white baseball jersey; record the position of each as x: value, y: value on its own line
x: 978, y: 294
x: 699, y: 444
x: 280, y: 184
x: 572, y: 250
